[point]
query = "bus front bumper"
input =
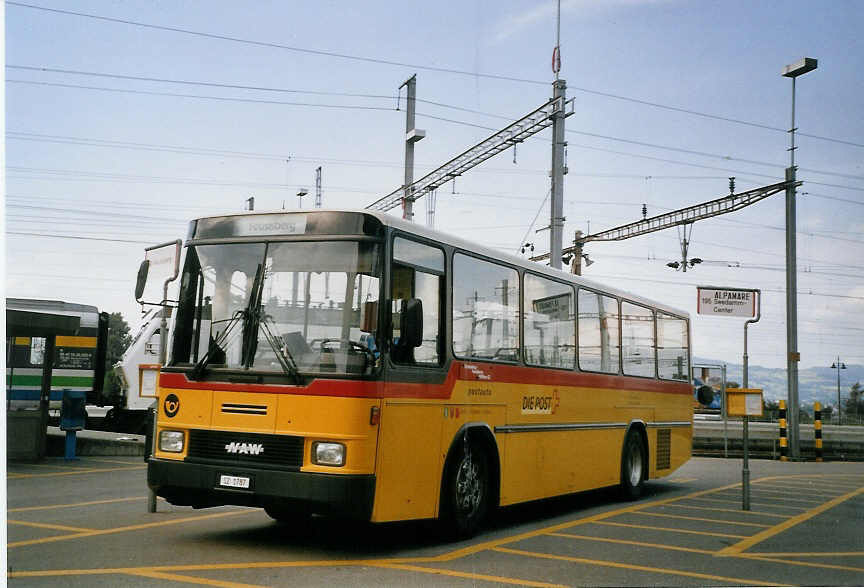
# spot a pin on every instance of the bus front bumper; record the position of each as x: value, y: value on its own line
x: 198, y: 485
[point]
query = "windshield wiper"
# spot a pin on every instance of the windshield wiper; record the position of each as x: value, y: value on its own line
x: 257, y: 320
x: 252, y: 319
x: 286, y: 360
x: 215, y: 346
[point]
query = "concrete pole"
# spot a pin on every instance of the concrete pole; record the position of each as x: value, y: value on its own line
x: 793, y: 356
x: 410, y: 104
x: 576, y: 266
x: 556, y: 212
x: 318, y: 188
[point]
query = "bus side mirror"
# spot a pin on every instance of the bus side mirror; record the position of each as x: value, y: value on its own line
x: 411, y: 327
x: 369, y: 320
x: 705, y: 395
x: 143, y: 269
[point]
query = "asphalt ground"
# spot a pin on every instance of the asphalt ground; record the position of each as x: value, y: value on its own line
x: 84, y: 523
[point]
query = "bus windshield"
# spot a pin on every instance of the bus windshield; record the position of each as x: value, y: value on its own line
x: 280, y: 307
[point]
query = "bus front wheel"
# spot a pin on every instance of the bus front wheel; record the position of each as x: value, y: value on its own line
x: 465, y: 499
x: 633, y: 471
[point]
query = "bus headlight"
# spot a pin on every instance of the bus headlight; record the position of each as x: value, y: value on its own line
x: 171, y: 441
x: 328, y: 454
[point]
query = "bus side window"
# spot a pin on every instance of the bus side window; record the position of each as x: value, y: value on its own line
x: 485, y: 309
x: 418, y: 272
x: 599, y: 349
x: 672, y: 347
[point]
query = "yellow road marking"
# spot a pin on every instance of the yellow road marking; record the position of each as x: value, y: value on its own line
x: 752, y: 503
x: 803, y: 484
x: 802, y: 491
x: 54, y: 466
x: 807, y: 554
x: 128, y: 528
x: 73, y: 472
x: 50, y: 526
x: 450, y: 556
x: 637, y: 543
x: 224, y: 566
x: 671, y: 530
x: 138, y: 462
x: 191, y: 579
x: 74, y: 505
x: 808, y: 564
x: 797, y: 519
x: 749, y: 512
x: 682, y: 480
x: 468, y: 575
x: 829, y: 478
x: 613, y: 564
x: 569, y: 524
x: 671, y: 516
x: 783, y: 499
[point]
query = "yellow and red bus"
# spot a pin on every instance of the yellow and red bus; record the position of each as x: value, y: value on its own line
x: 355, y: 364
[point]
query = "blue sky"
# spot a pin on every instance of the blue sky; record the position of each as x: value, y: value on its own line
x: 122, y: 161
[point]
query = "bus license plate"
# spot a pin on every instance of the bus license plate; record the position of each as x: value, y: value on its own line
x: 234, y: 481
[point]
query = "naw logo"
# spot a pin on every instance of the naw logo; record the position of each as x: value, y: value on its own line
x: 245, y: 448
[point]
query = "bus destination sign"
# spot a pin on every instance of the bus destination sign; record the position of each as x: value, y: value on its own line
x: 726, y: 302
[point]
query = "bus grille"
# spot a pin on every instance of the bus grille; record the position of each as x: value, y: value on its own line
x: 245, y: 448
x: 664, y: 449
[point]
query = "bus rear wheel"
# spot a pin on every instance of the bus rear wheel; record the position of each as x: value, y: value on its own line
x: 465, y: 498
x: 633, y: 471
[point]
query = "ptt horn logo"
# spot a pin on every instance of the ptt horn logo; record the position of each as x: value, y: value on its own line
x: 171, y: 405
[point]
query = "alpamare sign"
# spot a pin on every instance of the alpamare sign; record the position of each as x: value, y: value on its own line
x: 726, y: 302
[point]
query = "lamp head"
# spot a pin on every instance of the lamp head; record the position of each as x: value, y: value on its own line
x: 800, y: 67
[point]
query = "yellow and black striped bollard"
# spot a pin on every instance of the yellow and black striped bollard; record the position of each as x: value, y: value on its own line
x: 817, y: 429
x: 783, y: 441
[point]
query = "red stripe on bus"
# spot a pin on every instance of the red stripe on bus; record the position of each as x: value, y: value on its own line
x: 380, y: 389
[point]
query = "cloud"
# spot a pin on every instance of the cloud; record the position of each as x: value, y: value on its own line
x: 512, y: 24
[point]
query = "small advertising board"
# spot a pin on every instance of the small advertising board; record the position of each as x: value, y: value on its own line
x: 744, y: 402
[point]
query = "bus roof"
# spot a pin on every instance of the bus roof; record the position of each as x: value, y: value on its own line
x: 88, y: 314
x: 460, y: 243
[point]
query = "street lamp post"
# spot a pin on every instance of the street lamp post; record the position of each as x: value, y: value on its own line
x: 838, y: 365
x: 793, y: 70
x: 300, y: 194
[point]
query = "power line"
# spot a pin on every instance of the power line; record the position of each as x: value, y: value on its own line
x: 100, y: 213
x: 202, y: 97
x: 379, y: 61
x: 388, y: 109
x: 776, y: 290
x: 650, y: 157
x: 79, y: 237
x: 195, y: 83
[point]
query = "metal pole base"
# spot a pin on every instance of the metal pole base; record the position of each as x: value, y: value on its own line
x: 151, y: 501
x: 71, y: 441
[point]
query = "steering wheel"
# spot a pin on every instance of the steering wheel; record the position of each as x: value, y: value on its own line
x: 355, y: 346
